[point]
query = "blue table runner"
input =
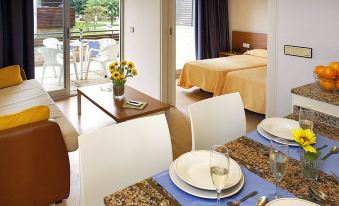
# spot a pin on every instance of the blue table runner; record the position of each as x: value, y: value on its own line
x: 252, y: 182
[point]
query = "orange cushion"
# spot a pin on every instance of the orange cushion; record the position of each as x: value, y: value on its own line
x: 31, y: 115
x: 10, y: 76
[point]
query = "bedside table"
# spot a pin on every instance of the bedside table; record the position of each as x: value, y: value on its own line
x: 228, y: 53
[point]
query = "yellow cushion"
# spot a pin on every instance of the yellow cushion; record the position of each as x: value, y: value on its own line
x: 33, y: 114
x: 10, y: 76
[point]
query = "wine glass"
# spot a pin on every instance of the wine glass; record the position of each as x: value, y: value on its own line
x: 306, y: 118
x: 219, y: 168
x: 278, y: 162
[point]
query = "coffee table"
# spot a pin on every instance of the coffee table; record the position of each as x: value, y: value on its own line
x: 104, y: 101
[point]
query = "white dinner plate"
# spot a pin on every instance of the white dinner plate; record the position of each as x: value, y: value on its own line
x: 280, y: 127
x: 193, y: 167
x: 291, y: 202
x: 275, y: 139
x: 208, y: 194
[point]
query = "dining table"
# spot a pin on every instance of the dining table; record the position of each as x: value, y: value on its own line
x: 251, y: 152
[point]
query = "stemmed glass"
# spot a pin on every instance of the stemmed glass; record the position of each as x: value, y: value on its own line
x: 278, y: 162
x: 306, y: 118
x: 219, y: 168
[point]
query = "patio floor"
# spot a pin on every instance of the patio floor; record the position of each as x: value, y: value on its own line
x: 51, y: 82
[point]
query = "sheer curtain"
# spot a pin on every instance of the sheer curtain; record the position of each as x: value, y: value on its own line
x: 211, y: 28
x: 16, y: 34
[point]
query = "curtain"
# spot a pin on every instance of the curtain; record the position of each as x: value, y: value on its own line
x: 211, y: 28
x: 16, y: 34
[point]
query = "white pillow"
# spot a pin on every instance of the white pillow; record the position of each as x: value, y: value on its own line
x: 257, y: 52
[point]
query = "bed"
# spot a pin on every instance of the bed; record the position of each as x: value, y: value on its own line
x: 210, y: 74
x: 251, y: 84
x: 239, y: 73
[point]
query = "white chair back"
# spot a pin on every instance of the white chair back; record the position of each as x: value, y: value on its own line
x: 105, y: 42
x: 117, y: 156
x: 50, y: 55
x: 51, y: 43
x: 217, y: 120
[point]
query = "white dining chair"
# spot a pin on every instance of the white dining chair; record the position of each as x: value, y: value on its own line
x: 217, y: 120
x: 120, y: 155
x: 52, y: 43
x: 105, y: 55
x: 50, y: 60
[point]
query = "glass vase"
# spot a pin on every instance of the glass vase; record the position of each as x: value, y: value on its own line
x: 118, y: 91
x: 309, y: 167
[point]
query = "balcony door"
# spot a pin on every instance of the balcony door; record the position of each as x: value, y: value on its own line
x: 51, y: 45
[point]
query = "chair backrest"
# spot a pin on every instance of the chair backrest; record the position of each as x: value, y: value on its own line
x: 50, y: 55
x: 117, y: 156
x: 51, y: 43
x: 217, y: 120
x: 105, y: 42
x: 111, y: 52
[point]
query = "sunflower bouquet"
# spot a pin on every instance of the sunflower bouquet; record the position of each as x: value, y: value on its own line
x: 309, y: 156
x: 121, y: 71
x: 306, y: 138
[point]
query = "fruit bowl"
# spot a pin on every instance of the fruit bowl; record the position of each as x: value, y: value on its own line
x: 327, y: 84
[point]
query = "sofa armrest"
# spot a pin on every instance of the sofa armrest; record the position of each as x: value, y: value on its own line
x: 34, y: 165
x: 23, y: 74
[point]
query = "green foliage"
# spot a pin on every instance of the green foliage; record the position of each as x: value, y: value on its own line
x: 110, y: 5
x: 92, y: 11
x: 80, y: 25
x: 79, y: 6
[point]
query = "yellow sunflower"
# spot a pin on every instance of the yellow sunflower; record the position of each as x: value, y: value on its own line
x: 115, y: 75
x: 113, y: 65
x: 305, y: 138
x: 123, y: 63
x: 121, y: 77
x: 130, y: 65
x: 134, y: 72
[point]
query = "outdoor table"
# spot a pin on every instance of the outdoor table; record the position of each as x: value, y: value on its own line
x: 252, y: 154
x: 80, y: 47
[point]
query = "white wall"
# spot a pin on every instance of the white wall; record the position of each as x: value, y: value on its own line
x: 144, y: 45
x: 248, y: 15
x: 309, y: 23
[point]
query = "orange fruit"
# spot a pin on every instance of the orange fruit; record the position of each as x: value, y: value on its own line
x: 328, y: 73
x: 337, y: 85
x: 335, y: 65
x: 327, y: 85
x: 319, y: 69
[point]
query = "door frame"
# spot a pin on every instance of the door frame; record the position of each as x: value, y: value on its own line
x: 168, y: 52
x: 66, y: 91
x: 272, y: 65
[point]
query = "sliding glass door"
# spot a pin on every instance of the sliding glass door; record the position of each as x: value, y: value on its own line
x: 75, y: 41
x: 51, y: 41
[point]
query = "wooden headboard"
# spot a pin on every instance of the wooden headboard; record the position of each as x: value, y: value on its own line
x: 256, y: 40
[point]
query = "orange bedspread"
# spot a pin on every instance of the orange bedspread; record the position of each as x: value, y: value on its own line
x: 210, y: 74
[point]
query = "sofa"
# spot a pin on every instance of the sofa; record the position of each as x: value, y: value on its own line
x: 34, y: 164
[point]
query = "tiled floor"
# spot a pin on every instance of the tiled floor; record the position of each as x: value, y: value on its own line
x: 93, y: 118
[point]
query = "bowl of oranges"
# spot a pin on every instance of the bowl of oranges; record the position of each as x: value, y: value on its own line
x: 328, y: 76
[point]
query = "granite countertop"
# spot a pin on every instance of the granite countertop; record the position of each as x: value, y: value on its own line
x: 314, y: 91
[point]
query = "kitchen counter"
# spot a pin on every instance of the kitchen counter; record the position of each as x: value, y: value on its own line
x: 313, y: 91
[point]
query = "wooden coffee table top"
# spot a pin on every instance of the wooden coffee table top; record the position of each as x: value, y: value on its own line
x: 105, y: 101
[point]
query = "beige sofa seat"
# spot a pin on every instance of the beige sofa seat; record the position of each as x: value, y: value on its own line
x: 30, y: 93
